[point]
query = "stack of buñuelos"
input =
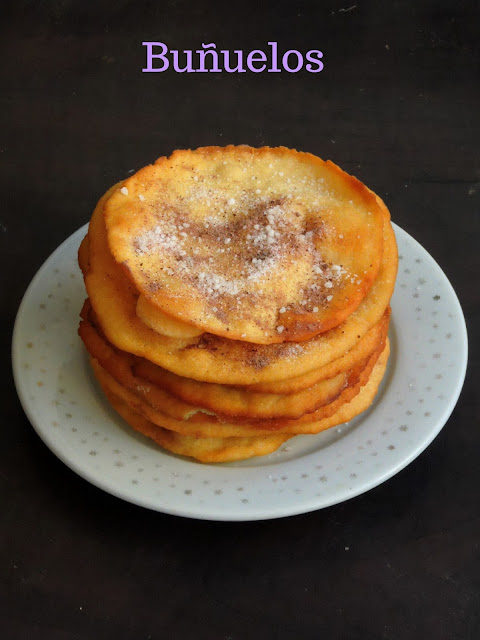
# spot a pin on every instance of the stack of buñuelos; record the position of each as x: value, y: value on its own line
x: 238, y: 297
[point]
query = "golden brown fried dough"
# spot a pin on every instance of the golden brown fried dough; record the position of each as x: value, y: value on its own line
x: 224, y: 401
x: 202, y: 426
x: 262, y: 245
x: 238, y: 297
x: 212, y: 358
x: 84, y: 256
x: 202, y: 449
x: 160, y: 322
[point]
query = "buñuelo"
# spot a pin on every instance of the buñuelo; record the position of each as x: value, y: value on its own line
x: 238, y: 297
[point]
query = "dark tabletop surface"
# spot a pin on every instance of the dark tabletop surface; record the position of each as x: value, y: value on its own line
x: 397, y: 105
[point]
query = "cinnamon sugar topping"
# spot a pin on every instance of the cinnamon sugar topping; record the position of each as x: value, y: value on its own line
x: 267, y: 239
x: 237, y: 245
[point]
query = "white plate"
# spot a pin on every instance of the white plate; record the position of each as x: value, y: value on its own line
x: 61, y: 399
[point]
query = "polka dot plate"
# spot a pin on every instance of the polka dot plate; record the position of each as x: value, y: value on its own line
x: 63, y: 402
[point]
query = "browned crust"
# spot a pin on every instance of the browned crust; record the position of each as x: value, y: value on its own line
x: 138, y: 375
x: 298, y: 326
x: 365, y: 345
x: 210, y: 427
x: 84, y: 255
x: 206, y: 449
x: 215, y: 359
x: 121, y: 370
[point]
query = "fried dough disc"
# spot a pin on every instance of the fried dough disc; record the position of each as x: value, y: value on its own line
x: 211, y: 358
x: 202, y: 449
x: 365, y: 345
x: 263, y: 245
x: 361, y: 349
x: 180, y: 416
x: 235, y: 403
x: 201, y: 425
x: 180, y: 397
x: 150, y: 315
x: 84, y: 256
x: 293, y: 385
x: 308, y: 423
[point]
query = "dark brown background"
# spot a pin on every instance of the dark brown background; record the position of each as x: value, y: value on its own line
x: 397, y: 105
